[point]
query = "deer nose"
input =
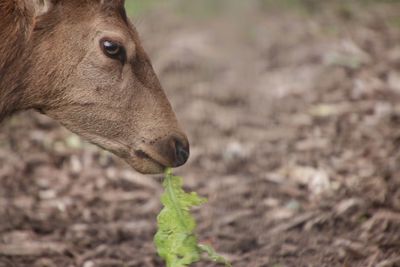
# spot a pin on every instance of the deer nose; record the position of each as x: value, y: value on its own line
x: 181, y: 152
x: 174, y: 149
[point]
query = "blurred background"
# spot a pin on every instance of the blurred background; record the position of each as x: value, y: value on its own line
x: 292, y: 108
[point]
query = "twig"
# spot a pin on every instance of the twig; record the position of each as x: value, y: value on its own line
x: 32, y: 249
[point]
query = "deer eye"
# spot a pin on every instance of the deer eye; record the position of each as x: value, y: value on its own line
x: 112, y: 49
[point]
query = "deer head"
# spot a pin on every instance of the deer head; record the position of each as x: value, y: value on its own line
x: 87, y: 69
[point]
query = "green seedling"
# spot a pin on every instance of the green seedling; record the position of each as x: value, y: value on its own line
x: 175, y: 239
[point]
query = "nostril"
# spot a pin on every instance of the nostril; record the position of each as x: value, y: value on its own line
x: 182, y: 153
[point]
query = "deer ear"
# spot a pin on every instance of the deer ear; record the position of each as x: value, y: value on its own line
x: 42, y: 6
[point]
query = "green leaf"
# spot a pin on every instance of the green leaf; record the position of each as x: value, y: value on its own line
x: 175, y: 239
x: 214, y: 256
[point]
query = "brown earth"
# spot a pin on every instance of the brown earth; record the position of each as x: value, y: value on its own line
x: 293, y: 116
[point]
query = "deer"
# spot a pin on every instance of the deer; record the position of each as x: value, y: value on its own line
x: 81, y: 62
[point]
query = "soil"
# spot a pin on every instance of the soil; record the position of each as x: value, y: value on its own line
x: 293, y: 116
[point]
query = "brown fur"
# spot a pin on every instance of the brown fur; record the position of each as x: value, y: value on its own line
x: 16, y: 25
x: 53, y: 63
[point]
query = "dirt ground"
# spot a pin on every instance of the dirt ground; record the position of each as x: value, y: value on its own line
x: 293, y: 113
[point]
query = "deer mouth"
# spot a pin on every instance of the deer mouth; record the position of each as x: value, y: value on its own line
x: 143, y: 160
x: 145, y: 156
x: 148, y: 161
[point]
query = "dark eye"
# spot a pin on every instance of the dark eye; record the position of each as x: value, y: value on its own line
x: 112, y: 49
